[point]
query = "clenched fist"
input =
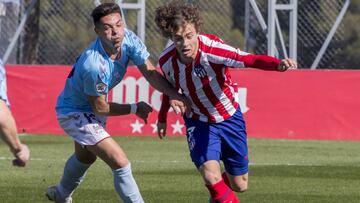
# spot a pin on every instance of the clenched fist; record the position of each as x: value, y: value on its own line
x: 143, y: 110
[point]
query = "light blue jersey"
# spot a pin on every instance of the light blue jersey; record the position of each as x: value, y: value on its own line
x: 3, y: 95
x: 95, y: 74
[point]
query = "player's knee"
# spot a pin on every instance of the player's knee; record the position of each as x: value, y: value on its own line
x: 211, y: 178
x: 118, y: 162
x: 211, y: 175
x: 89, y: 159
x: 240, y: 186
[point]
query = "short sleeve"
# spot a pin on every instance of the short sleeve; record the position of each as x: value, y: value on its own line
x: 138, y: 50
x: 93, y: 84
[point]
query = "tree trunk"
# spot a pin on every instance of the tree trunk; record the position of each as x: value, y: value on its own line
x: 30, y: 36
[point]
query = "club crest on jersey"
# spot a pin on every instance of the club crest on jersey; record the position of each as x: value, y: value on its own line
x: 200, y: 71
x: 101, y: 87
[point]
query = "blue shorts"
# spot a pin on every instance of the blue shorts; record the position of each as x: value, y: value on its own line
x: 226, y: 141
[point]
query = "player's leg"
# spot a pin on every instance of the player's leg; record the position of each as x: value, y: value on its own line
x: 205, y: 147
x: 83, y: 131
x: 210, y: 172
x: 235, y: 152
x: 74, y: 173
x: 8, y: 133
x: 112, y: 154
x: 220, y: 192
x: 238, y: 183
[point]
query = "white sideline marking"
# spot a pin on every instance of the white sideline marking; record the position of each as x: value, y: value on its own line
x: 181, y: 162
x: 11, y: 158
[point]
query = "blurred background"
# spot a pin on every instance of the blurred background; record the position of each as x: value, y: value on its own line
x: 320, y: 34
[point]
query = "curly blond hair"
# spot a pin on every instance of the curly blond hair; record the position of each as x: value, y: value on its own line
x: 170, y: 17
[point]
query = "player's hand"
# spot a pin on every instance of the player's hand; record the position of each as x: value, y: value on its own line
x: 143, y: 110
x: 161, y: 129
x: 181, y: 104
x: 22, y: 157
x: 286, y: 64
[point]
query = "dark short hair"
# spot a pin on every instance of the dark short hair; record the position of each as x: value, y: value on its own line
x: 170, y: 17
x: 104, y: 10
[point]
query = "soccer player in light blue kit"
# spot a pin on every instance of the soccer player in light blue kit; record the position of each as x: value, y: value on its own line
x: 82, y: 107
x: 8, y: 131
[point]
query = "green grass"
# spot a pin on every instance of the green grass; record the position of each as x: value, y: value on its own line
x: 280, y: 171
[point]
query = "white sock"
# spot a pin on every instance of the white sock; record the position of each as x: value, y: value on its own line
x: 74, y: 174
x: 126, y: 186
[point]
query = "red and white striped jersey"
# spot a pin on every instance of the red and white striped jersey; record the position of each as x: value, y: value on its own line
x: 206, y: 81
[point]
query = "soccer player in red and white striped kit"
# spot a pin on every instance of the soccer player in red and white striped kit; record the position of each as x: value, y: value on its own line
x: 197, y: 65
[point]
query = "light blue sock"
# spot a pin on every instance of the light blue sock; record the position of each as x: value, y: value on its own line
x: 74, y: 173
x: 126, y: 186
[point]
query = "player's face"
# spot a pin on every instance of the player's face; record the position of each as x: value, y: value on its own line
x: 110, y: 29
x: 186, y: 42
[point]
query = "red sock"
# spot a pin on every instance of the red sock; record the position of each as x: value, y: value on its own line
x: 226, y: 179
x: 221, y: 193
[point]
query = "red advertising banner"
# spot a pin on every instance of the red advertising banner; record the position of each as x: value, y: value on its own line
x: 32, y: 91
x: 299, y: 104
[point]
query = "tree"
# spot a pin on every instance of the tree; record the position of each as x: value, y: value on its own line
x: 29, y: 39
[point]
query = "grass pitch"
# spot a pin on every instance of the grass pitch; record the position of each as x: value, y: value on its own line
x: 280, y: 171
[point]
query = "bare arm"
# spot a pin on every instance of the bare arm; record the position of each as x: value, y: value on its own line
x: 102, y: 107
x: 157, y: 80
x: 9, y: 134
x: 178, y: 101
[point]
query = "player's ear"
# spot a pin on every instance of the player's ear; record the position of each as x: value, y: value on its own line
x: 97, y: 28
